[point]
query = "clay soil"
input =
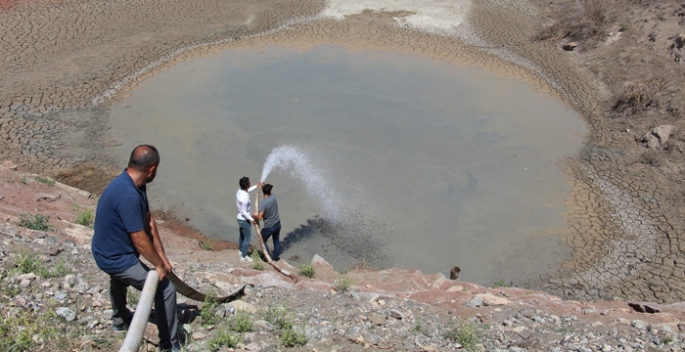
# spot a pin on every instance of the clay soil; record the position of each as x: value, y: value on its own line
x: 617, y: 63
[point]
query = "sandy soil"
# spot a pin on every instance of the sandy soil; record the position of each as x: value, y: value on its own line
x: 626, y: 211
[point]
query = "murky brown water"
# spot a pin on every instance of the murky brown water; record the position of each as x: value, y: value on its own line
x: 430, y: 165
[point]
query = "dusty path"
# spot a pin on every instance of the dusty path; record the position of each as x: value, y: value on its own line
x: 64, y: 61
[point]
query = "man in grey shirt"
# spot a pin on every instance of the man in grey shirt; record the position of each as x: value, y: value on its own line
x: 268, y: 211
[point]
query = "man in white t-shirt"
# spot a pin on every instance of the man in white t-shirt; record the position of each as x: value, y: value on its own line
x: 245, y: 220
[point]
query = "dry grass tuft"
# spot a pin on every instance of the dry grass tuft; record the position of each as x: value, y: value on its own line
x: 638, y: 95
x: 580, y: 21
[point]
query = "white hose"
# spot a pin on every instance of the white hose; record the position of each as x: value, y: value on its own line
x: 140, y: 318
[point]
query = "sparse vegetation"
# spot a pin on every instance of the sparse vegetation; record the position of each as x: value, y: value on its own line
x: 84, y: 217
x: 47, y: 181
x: 208, y: 311
x: 257, y: 263
x: 577, y: 21
x: 37, y: 222
x: 292, y: 337
x: 207, y: 244
x: 23, y: 180
x: 241, y: 323
x: 418, y: 326
x: 463, y: 333
x: 278, y: 316
x: 224, y: 338
x: 343, y: 283
x: 638, y: 95
x: 500, y: 283
x: 132, y: 296
x: 307, y: 270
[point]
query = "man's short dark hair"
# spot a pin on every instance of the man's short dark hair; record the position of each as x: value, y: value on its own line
x: 244, y: 182
x: 143, y: 157
x: 267, y: 189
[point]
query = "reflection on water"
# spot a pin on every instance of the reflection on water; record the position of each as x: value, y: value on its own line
x: 431, y: 165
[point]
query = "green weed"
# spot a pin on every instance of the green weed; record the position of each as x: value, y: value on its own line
x: 257, y: 263
x: 37, y: 222
x: 342, y: 283
x: 291, y: 337
x: 48, y: 181
x: 84, y: 217
x: 499, y: 283
x: 463, y: 333
x: 208, y: 311
x: 418, y: 327
x: 278, y: 316
x: 224, y: 338
x: 241, y: 323
x: 58, y: 271
x: 307, y: 270
x: 132, y: 296
x: 207, y: 244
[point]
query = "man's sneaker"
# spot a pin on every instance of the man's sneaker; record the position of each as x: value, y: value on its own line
x: 246, y: 259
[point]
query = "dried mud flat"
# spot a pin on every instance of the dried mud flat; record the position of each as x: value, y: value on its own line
x: 65, y: 62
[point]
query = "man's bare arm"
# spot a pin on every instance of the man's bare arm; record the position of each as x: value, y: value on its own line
x: 259, y: 216
x: 144, y: 246
x: 157, y: 242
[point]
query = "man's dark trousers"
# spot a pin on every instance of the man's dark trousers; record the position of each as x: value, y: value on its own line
x: 274, y: 231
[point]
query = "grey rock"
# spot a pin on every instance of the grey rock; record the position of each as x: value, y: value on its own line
x: 640, y: 325
x: 107, y: 314
x: 376, y: 319
x: 60, y: 296
x: 66, y: 313
x: 474, y: 302
x: 396, y: 314
x: 263, y: 325
x: 589, y: 311
x: 313, y: 335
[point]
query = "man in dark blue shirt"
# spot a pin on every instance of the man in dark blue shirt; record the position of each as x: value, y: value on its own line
x: 125, y: 229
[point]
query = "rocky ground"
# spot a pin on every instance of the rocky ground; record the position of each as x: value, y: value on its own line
x: 618, y: 62
x: 52, y: 296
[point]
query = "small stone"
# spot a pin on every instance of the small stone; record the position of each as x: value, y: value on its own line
x: 253, y: 347
x: 640, y: 325
x: 376, y: 319
x: 199, y: 335
x: 396, y: 314
x: 188, y: 329
x: 569, y: 46
x: 589, y: 311
x: 107, y: 314
x: 457, y: 288
x: 66, y: 313
x: 474, y: 302
x: 241, y: 305
x: 29, y: 276
x: 263, y: 325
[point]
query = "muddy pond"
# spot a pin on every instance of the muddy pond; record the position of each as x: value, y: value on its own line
x: 405, y: 161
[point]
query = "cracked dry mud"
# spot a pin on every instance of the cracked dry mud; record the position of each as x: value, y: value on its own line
x: 65, y: 62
